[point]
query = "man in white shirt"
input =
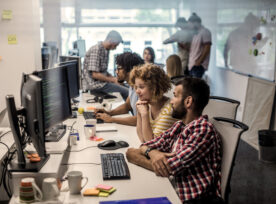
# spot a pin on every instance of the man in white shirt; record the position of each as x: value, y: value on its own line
x: 200, y: 48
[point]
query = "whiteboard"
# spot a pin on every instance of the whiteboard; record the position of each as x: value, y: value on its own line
x: 251, y: 57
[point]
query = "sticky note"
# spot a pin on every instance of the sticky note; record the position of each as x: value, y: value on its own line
x: 103, y: 187
x: 91, y: 192
x: 103, y: 194
x: 109, y: 191
x: 7, y: 14
x: 12, y: 39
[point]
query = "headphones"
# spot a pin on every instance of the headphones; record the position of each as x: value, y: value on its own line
x: 96, y: 99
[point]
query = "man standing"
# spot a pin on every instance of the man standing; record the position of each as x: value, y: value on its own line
x: 95, y: 67
x: 125, y: 62
x: 190, y: 152
x: 200, y: 48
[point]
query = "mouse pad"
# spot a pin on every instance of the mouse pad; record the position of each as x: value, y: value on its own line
x: 117, y: 146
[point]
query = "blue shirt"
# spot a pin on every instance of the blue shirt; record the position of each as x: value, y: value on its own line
x: 133, y: 99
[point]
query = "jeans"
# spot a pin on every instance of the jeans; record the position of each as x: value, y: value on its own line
x: 197, y: 71
x: 111, y: 87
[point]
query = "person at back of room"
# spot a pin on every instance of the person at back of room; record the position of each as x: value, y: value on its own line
x: 148, y: 55
x: 125, y: 63
x: 174, y: 71
x: 190, y: 152
x: 200, y: 48
x: 154, y: 111
x: 96, y: 76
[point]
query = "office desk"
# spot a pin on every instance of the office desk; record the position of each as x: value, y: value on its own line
x: 142, y: 184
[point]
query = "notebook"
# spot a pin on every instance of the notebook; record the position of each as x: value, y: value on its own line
x: 158, y: 200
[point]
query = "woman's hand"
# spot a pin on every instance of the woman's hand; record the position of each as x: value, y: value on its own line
x: 142, y: 107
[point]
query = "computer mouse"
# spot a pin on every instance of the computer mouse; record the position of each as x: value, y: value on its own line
x: 123, y: 143
x: 108, y: 143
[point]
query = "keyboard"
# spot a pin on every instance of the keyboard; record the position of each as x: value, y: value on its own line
x: 114, y: 166
x: 102, y: 94
x: 91, y: 115
x: 55, y: 133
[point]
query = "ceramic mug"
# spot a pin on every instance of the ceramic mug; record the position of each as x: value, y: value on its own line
x: 29, y: 191
x: 50, y: 189
x: 90, y: 130
x: 75, y: 180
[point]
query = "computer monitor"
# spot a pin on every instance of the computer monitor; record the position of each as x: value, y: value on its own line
x: 69, y: 59
x: 27, y: 124
x: 49, y: 54
x: 79, y: 45
x: 56, y: 96
x: 45, y: 103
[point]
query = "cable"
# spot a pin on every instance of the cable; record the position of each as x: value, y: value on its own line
x: 4, y: 134
x: 81, y: 149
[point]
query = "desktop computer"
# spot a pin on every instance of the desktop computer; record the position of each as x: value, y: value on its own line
x: 45, y: 103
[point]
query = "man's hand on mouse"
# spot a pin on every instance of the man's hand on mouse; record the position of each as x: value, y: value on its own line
x: 105, y: 117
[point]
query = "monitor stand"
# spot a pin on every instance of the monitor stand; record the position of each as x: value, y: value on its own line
x: 14, y: 166
x: 55, y: 133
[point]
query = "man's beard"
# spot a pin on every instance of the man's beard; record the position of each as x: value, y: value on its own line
x: 180, y: 112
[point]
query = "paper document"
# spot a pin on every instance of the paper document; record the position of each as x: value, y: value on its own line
x: 106, y: 128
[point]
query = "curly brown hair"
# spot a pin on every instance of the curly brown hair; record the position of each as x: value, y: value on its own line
x: 155, y: 77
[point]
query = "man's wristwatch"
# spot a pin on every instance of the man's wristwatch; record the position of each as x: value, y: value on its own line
x: 147, y: 152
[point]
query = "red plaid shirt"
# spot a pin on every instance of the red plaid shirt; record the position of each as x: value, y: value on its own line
x: 196, y: 166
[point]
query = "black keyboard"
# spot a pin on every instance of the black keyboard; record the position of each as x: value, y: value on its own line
x: 114, y: 166
x: 91, y: 115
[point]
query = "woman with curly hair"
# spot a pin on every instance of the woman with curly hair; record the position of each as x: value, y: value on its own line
x: 154, y: 111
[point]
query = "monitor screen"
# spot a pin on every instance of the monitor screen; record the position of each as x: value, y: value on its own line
x: 56, y: 98
x: 64, y: 59
x: 32, y: 102
x: 73, y: 77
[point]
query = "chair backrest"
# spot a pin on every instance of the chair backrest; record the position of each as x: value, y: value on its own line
x: 221, y: 107
x: 230, y: 136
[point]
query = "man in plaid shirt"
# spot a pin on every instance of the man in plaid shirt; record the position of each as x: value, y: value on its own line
x: 95, y: 75
x: 190, y: 152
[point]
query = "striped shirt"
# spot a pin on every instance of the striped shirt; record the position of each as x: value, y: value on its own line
x: 96, y: 60
x: 196, y: 167
x: 163, y: 121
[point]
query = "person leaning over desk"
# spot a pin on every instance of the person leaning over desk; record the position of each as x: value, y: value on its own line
x: 154, y: 111
x: 190, y: 152
x: 125, y: 62
x: 96, y: 76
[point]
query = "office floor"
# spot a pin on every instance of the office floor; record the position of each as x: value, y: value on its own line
x: 252, y: 181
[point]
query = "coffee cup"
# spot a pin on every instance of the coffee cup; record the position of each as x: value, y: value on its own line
x: 50, y: 189
x: 75, y: 180
x: 29, y: 191
x: 90, y: 128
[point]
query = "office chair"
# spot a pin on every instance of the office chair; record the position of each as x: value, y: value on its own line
x: 221, y: 107
x: 230, y: 137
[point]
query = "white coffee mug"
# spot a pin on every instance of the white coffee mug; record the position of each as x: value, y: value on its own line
x: 90, y: 130
x: 50, y: 189
x: 75, y: 180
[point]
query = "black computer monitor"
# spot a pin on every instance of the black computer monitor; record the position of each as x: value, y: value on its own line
x: 68, y: 59
x: 45, y: 103
x: 56, y: 96
x: 27, y: 123
x: 73, y: 77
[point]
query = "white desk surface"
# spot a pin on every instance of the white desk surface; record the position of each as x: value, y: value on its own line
x: 142, y: 184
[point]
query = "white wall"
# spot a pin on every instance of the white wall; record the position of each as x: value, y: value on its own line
x: 25, y: 56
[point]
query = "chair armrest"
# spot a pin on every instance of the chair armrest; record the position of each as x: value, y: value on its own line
x: 241, y: 125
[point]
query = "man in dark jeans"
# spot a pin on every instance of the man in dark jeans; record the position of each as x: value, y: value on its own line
x: 200, y: 48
